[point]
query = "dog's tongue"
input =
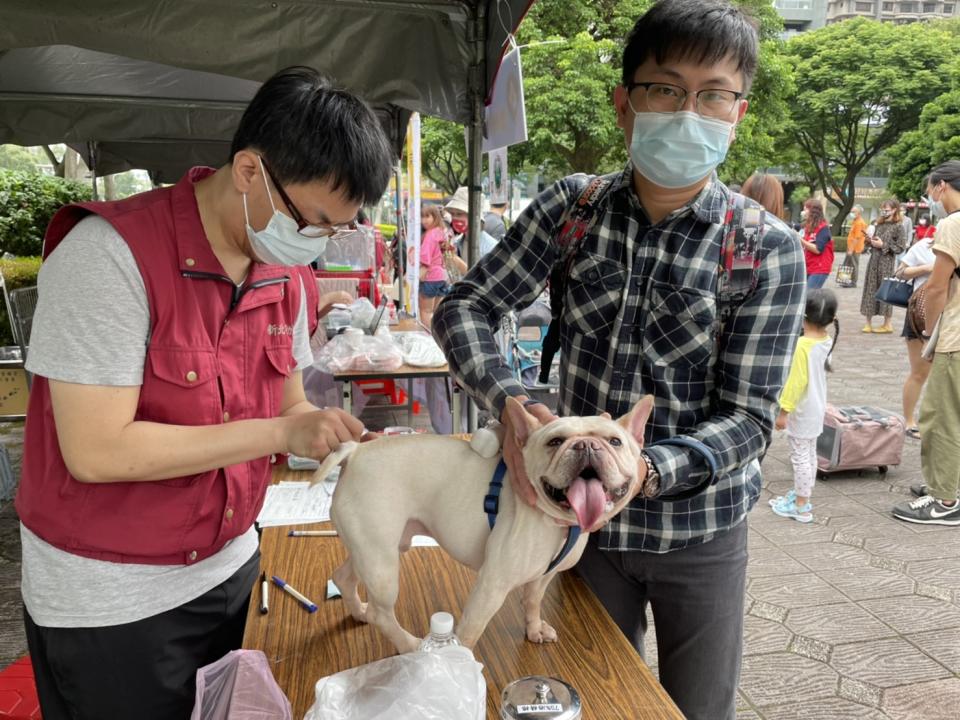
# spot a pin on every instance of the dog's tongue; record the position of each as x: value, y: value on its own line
x: 587, y: 499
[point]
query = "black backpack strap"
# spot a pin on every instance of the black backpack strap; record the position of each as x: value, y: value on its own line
x: 577, y: 221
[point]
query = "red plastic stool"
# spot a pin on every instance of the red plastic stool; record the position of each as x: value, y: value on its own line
x: 18, y: 692
x: 389, y: 388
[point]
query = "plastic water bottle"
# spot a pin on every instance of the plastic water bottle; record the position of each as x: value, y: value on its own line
x: 441, y: 633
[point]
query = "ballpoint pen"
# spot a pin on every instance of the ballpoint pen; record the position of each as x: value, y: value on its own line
x: 307, y: 604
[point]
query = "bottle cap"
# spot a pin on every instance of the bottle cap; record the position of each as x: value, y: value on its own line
x: 441, y: 623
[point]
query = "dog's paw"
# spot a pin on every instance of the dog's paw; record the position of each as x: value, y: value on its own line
x: 360, y: 613
x: 541, y: 632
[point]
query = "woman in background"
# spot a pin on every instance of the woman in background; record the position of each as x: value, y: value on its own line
x: 767, y: 191
x: 888, y: 241
x: 817, y: 244
x: 433, y: 276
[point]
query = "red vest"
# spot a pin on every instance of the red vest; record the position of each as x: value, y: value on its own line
x: 822, y: 263
x: 214, y: 355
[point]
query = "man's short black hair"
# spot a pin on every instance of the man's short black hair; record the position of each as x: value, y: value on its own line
x: 705, y: 31
x: 307, y: 130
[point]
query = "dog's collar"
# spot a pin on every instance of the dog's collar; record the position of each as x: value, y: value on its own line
x: 491, y: 504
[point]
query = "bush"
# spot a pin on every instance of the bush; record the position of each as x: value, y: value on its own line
x: 17, y: 273
x: 27, y: 202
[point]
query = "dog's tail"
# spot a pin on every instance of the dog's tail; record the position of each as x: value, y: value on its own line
x: 337, y: 457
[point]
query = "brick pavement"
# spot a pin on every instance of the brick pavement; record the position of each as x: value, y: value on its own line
x: 855, y: 615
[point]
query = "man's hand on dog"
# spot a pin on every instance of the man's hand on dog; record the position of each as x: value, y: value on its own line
x: 513, y: 453
x: 317, y: 434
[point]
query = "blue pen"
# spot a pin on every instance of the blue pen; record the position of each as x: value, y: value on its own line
x: 307, y: 605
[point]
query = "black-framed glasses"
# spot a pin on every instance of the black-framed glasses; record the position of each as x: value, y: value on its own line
x: 303, y: 227
x: 664, y: 97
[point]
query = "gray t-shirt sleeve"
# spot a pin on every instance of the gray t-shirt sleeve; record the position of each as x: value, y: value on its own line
x: 92, y: 318
x: 301, y: 334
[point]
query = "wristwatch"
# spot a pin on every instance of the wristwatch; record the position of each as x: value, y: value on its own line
x: 651, y: 483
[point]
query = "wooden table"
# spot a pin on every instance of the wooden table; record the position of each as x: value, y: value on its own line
x: 591, y: 654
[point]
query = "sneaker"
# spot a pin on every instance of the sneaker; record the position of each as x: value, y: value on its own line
x: 788, y: 508
x: 928, y: 511
x: 791, y: 496
x: 919, y: 490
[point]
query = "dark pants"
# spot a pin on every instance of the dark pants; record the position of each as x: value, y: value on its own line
x: 140, y: 670
x: 697, y: 598
x: 816, y: 281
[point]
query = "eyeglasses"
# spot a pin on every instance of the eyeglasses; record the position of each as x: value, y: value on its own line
x: 663, y: 97
x: 303, y: 227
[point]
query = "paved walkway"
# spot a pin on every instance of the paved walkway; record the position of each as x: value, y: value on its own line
x: 855, y: 615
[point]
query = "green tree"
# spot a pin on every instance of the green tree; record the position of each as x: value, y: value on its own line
x: 860, y: 85
x: 443, y: 151
x: 571, y: 64
x: 17, y: 157
x: 28, y: 201
x: 936, y: 140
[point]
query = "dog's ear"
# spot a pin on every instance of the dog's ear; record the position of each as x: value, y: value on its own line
x: 523, y: 423
x: 606, y: 416
x: 636, y: 420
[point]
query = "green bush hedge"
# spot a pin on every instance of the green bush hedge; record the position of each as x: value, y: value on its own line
x: 27, y: 202
x: 17, y: 273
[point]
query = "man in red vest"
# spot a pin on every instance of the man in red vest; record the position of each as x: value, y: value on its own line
x: 167, y: 346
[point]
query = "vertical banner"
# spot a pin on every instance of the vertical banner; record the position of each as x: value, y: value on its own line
x: 506, y: 115
x: 497, y: 168
x: 413, y: 213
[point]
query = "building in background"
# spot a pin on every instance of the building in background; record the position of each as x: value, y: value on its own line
x: 895, y: 11
x: 801, y: 15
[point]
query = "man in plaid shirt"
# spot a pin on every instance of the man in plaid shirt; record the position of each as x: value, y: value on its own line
x: 641, y: 316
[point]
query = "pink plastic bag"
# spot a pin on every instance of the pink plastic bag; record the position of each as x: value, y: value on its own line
x: 239, y: 686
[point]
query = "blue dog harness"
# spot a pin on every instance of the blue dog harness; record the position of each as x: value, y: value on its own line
x: 491, y: 504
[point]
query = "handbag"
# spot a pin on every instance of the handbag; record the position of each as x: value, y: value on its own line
x: 895, y: 291
x: 845, y: 272
x: 916, y: 310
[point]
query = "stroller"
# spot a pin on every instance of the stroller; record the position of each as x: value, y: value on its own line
x: 521, y: 340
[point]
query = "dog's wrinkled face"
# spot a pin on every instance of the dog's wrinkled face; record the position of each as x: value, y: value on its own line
x: 584, y: 469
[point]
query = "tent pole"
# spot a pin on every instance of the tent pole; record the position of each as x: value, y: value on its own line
x: 476, y: 36
x: 91, y: 153
x: 398, y: 239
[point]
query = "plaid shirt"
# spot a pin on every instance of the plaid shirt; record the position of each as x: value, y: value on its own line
x: 641, y: 317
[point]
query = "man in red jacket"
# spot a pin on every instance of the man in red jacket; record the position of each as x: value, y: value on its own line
x: 167, y: 346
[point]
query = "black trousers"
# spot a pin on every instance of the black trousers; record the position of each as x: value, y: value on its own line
x: 697, y: 596
x: 140, y: 670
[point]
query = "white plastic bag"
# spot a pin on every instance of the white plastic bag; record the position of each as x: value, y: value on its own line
x: 440, y: 685
x: 356, y: 351
x: 420, y: 350
x: 239, y: 686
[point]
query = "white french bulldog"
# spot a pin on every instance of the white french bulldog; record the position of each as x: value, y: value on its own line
x: 584, y: 470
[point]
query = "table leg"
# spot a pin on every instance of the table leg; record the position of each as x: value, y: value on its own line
x: 455, y: 409
x: 347, y: 389
x: 410, y: 402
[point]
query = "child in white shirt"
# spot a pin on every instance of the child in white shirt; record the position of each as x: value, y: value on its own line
x: 803, y: 402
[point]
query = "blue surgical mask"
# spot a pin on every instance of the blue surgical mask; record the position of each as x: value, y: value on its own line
x: 280, y: 242
x: 675, y: 150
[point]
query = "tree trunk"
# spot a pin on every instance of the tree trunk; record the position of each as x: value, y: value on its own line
x: 109, y: 187
x: 73, y: 166
x: 57, y: 164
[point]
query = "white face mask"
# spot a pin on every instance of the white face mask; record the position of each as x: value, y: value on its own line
x: 675, y: 150
x: 280, y: 242
x: 937, y: 210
